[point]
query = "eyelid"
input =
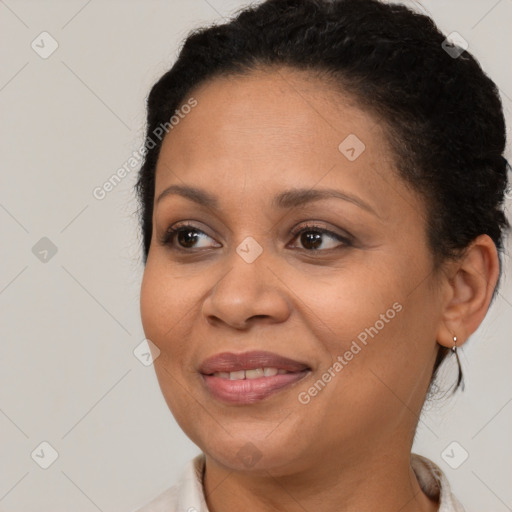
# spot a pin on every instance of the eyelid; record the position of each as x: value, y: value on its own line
x: 320, y: 226
x: 346, y: 239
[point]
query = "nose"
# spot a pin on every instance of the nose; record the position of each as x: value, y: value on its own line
x: 247, y: 292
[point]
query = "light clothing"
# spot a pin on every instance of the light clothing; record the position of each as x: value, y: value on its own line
x: 187, y: 495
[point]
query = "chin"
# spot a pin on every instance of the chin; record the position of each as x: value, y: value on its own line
x: 276, y: 454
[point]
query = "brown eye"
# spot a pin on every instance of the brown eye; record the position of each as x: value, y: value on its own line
x: 186, y: 236
x: 312, y: 237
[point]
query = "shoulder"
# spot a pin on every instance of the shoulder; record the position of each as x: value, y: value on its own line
x: 186, y: 495
x: 434, y: 483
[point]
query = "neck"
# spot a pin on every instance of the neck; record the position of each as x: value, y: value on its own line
x: 386, y: 483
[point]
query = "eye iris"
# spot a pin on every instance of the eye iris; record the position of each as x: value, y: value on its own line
x: 311, y: 238
x: 187, y: 238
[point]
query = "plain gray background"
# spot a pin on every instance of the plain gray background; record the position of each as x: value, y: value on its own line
x: 70, y: 320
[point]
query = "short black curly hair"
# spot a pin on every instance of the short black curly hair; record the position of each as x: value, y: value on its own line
x: 443, y: 114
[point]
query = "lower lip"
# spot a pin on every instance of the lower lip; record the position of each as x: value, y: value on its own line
x: 249, y: 391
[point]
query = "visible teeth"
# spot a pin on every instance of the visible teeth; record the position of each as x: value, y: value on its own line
x: 254, y: 374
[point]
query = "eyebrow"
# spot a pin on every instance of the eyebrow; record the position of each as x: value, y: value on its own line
x: 288, y: 199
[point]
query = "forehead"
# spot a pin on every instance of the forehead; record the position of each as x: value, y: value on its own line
x: 287, y: 109
x: 275, y: 129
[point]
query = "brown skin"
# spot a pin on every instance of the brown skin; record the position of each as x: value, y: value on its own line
x: 248, y: 139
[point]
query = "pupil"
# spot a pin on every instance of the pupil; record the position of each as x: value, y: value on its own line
x: 311, y: 238
x: 187, y: 238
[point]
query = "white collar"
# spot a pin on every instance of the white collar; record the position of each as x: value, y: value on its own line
x: 188, y: 495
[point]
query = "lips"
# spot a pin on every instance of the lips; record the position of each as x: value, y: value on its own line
x: 250, y: 376
x: 230, y: 362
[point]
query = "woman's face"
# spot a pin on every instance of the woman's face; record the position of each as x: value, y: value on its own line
x: 309, y: 259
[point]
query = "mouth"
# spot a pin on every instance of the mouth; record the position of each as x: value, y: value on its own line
x: 229, y: 362
x: 250, y: 377
x: 254, y: 373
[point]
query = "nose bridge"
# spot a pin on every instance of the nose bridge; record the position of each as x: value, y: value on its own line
x: 249, y: 250
x: 248, y: 289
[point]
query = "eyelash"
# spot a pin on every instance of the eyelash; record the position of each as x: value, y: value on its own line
x: 170, y: 235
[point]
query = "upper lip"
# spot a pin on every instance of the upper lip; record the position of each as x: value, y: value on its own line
x: 231, y: 362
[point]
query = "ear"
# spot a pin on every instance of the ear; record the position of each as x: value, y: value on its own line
x: 469, y: 286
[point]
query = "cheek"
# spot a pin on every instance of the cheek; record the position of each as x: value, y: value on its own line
x: 387, y: 368
x: 165, y: 302
x: 153, y: 303
x: 165, y: 305
x: 353, y: 306
x: 378, y: 327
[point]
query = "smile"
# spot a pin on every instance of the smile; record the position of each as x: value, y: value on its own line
x: 249, y: 377
x: 250, y: 374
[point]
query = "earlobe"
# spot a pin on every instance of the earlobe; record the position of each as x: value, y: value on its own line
x: 470, y: 287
